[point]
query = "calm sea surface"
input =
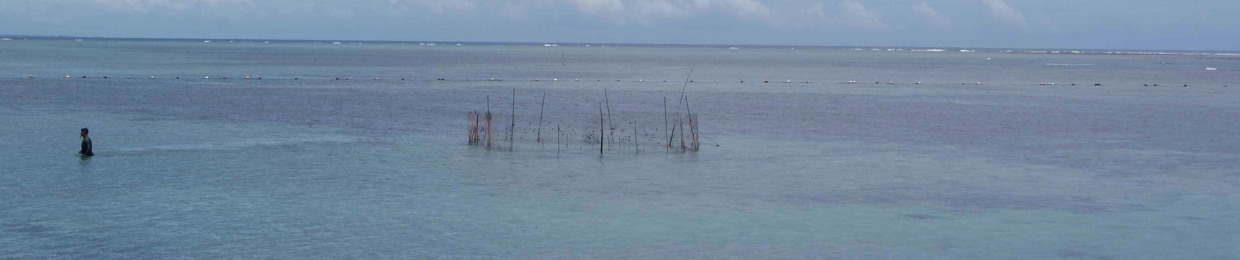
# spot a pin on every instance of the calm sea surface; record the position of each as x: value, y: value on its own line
x: 298, y: 164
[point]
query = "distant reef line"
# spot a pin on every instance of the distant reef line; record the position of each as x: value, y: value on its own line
x: 1022, y: 50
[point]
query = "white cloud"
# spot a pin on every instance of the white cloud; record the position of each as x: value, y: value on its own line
x: 749, y: 9
x: 854, y: 15
x: 218, y: 2
x: 1001, y: 10
x: 512, y: 10
x: 599, y: 6
x: 648, y: 12
x: 440, y: 6
x: 782, y: 14
x: 789, y: 15
x: 131, y: 5
x: 623, y: 12
x: 147, y: 5
x: 932, y: 16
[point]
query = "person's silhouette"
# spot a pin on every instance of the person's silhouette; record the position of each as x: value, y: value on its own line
x: 87, y: 147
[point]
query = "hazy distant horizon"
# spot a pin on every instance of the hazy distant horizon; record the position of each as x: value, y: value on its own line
x: 1020, y: 24
x: 611, y: 44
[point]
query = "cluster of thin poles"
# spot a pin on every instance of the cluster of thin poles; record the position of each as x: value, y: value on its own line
x: 681, y: 131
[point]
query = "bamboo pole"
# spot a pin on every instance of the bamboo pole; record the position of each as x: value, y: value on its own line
x: 682, y: 130
x: 692, y: 131
x: 470, y: 118
x: 513, y: 127
x: 670, y: 137
x: 490, y: 131
x: 541, y: 108
x: 600, y: 130
x: 665, y: 133
x: 473, y: 128
x: 610, y: 122
x: 680, y: 121
x: 686, y: 87
x: 697, y: 134
x: 477, y: 128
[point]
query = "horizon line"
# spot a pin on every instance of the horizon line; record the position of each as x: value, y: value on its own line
x: 1198, y: 51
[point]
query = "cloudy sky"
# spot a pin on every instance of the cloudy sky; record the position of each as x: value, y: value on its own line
x: 1099, y: 24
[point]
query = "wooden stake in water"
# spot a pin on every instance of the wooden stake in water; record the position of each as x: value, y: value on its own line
x: 541, y: 108
x: 490, y: 132
x: 600, y: 130
x: 473, y: 127
x: 669, y: 145
x: 680, y: 121
x: 513, y: 127
x: 609, y: 121
x: 671, y: 136
x: 689, y: 116
x: 682, y: 89
x: 682, y: 130
x: 696, y: 143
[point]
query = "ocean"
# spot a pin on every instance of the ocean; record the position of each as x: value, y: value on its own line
x: 360, y: 150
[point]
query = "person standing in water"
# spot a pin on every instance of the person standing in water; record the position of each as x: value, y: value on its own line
x: 87, y: 147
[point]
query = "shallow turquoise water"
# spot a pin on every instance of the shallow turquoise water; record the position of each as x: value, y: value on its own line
x: 364, y: 168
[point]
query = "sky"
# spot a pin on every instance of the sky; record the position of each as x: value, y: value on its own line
x: 1060, y: 24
